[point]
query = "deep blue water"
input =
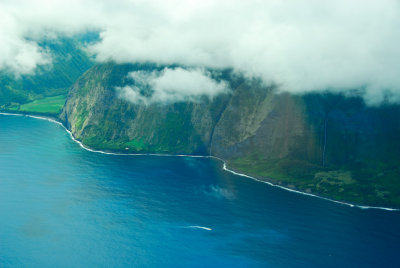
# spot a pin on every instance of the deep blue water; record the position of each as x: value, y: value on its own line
x: 62, y: 206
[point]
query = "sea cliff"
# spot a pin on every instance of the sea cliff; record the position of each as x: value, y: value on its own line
x: 326, y: 144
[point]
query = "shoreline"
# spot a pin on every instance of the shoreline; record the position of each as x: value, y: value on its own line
x: 224, y: 166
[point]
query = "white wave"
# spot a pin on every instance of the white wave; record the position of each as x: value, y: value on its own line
x: 198, y: 227
x: 11, y: 114
x: 201, y: 156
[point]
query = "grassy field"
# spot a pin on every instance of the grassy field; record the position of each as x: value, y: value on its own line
x: 49, y: 105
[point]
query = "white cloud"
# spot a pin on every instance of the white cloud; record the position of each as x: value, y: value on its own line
x: 300, y: 45
x: 25, y: 23
x: 172, y: 85
x: 18, y: 55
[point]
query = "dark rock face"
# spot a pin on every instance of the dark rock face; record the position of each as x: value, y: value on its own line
x: 327, y: 144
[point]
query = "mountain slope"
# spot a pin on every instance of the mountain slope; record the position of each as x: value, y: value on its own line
x: 325, y: 144
x: 69, y: 61
x: 102, y: 120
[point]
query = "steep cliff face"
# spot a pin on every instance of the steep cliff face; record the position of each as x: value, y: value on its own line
x: 101, y: 119
x: 326, y: 144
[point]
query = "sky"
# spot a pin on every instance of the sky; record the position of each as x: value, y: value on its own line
x: 301, y: 46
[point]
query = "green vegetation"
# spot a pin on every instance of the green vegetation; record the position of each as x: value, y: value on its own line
x: 99, y: 122
x: 368, y: 183
x: 69, y: 61
x: 137, y: 145
x: 99, y: 143
x: 48, y: 105
x: 103, y: 136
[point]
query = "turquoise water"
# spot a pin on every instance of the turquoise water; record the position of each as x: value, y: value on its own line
x: 62, y: 206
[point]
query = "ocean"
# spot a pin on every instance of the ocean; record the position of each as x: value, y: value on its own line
x: 64, y: 206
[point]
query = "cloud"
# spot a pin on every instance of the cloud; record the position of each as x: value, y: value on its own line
x: 25, y: 23
x: 18, y: 55
x: 301, y: 46
x: 171, y: 85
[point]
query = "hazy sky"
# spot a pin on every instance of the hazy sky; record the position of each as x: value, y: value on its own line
x: 299, y: 45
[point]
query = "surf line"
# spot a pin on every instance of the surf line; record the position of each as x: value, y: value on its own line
x: 224, y: 167
x: 198, y: 227
x: 303, y: 193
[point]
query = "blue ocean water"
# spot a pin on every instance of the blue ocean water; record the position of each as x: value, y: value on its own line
x: 62, y: 206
